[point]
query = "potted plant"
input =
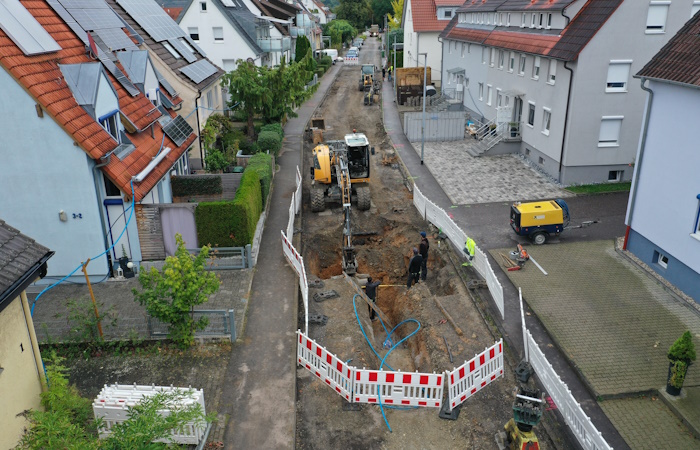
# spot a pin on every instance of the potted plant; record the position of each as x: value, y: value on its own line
x: 127, y: 270
x: 681, y: 355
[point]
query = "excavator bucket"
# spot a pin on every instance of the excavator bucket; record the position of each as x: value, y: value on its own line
x: 349, y: 261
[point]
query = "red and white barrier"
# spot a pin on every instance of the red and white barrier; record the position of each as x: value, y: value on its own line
x: 297, y: 194
x: 352, y: 60
x: 475, y: 374
x: 297, y: 263
x: 397, y: 388
x: 326, y: 366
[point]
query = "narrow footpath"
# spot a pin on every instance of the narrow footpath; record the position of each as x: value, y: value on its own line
x: 510, y: 327
x: 258, y: 400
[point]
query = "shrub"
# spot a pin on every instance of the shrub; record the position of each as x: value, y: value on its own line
x: 320, y: 71
x: 276, y: 127
x: 216, y: 160
x: 269, y: 140
x: 683, y: 349
x: 262, y: 164
x: 184, y: 186
x: 249, y: 147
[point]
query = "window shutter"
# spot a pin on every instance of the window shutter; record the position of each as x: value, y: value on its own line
x: 656, y: 19
x: 618, y: 73
x: 609, y: 130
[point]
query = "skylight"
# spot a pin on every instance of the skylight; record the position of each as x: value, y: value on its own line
x: 24, y: 30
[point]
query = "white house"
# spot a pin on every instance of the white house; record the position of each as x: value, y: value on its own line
x: 423, y: 21
x: 86, y: 140
x: 559, y: 72
x: 663, y: 213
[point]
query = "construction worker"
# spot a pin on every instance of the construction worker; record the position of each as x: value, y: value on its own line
x: 383, y: 72
x: 469, y: 249
x: 371, y: 292
x: 423, y: 250
x: 391, y: 69
x: 414, y: 268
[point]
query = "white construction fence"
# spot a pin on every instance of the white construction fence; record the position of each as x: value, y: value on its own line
x: 293, y: 256
x: 113, y: 402
x: 396, y: 387
x: 438, y: 217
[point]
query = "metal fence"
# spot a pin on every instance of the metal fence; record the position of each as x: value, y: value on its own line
x: 227, y: 258
x: 439, y: 126
x: 222, y: 323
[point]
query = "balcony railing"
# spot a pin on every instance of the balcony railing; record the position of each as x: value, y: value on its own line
x: 275, y: 44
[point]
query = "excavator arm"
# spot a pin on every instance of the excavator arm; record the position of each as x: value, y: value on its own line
x: 343, y: 177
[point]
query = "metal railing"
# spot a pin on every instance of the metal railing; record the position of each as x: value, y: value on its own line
x: 222, y: 323
x: 227, y: 258
x: 491, y: 133
x: 275, y: 44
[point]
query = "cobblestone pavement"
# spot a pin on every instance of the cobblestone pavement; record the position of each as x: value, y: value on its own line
x: 115, y: 299
x: 614, y: 321
x: 646, y: 422
x: 466, y: 179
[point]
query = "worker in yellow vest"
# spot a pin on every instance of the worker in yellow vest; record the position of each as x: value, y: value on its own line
x: 469, y: 249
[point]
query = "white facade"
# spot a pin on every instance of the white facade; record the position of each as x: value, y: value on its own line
x: 227, y: 46
x: 605, y: 104
x: 665, y: 202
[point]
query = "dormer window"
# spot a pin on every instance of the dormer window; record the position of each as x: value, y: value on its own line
x: 522, y: 21
x: 110, y: 122
x: 549, y: 21
x: 448, y: 13
x: 153, y: 96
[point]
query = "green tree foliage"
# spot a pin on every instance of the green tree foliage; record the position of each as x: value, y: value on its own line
x: 67, y: 421
x: 340, y: 31
x: 172, y: 294
x: 247, y: 90
x: 394, y: 20
x: 357, y: 12
x: 381, y: 8
x: 683, y: 349
x: 302, y: 48
x: 216, y: 160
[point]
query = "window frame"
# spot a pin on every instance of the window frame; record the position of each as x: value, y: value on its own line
x: 174, y: 53
x: 511, y: 63
x: 610, y: 143
x: 109, y: 121
x: 501, y: 59
x: 499, y: 98
x: 657, y: 6
x: 546, y: 120
x: 618, y: 176
x: 213, y: 32
x: 623, y: 88
x: 522, y: 21
x: 549, y: 21
x: 202, y: 6
x: 660, y: 260
x: 489, y: 94
x: 531, y: 111
x: 192, y: 35
x: 536, y: 68
x: 481, y: 92
x: 463, y: 45
x: 696, y: 229
x: 492, y: 57
x: 484, y: 56
x: 694, y: 8
x: 522, y: 65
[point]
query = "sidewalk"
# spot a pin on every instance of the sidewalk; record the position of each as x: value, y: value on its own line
x: 261, y: 375
x: 510, y: 327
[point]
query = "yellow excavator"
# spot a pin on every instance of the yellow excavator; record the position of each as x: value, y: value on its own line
x: 340, y: 173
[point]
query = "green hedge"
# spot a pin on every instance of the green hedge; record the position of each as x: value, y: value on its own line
x: 276, y: 127
x: 269, y: 140
x: 262, y: 164
x: 231, y: 224
x: 184, y: 186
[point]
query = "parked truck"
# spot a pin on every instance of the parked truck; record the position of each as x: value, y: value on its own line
x: 374, y: 30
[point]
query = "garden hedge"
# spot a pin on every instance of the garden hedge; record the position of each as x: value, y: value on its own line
x: 201, y: 185
x: 231, y: 223
x: 262, y: 164
x: 269, y: 140
x: 276, y: 127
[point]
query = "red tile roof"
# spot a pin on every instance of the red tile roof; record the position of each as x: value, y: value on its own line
x: 679, y: 60
x: 565, y: 46
x: 425, y: 16
x: 174, y: 13
x: 448, y: 3
x: 43, y: 80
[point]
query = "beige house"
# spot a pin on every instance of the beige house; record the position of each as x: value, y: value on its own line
x: 22, y: 261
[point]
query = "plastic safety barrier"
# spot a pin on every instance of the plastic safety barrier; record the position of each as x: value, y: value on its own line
x: 297, y: 193
x: 297, y: 263
x: 113, y: 401
x: 475, y: 374
x: 586, y: 433
x: 290, y: 223
x: 397, y: 388
x: 438, y: 217
x: 325, y: 365
x: 352, y: 60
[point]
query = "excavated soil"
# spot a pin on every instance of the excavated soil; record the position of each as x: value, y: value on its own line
x: 384, y: 238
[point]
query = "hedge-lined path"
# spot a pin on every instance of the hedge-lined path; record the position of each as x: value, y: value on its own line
x: 258, y: 400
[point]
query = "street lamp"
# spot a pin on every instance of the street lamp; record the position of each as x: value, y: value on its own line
x: 393, y: 68
x: 422, y: 130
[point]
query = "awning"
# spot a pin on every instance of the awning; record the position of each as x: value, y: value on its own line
x: 455, y: 70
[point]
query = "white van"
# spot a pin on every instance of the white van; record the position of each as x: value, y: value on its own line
x: 333, y: 53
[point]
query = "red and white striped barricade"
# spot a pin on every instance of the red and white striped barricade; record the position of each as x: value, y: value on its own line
x: 297, y: 263
x: 352, y: 60
x: 325, y: 365
x: 297, y: 193
x: 475, y: 374
x: 113, y: 402
x: 398, y: 388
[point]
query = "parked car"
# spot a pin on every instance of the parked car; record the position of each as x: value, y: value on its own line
x: 351, y: 54
x: 355, y: 49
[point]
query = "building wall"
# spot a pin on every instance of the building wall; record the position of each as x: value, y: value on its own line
x: 410, y: 39
x: 44, y: 174
x: 20, y: 385
x: 666, y: 204
x: 426, y: 43
x: 589, y: 101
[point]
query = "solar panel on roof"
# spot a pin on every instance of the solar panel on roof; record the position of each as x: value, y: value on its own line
x: 68, y: 19
x: 152, y: 18
x: 195, y: 46
x: 24, y: 30
x: 163, y: 82
x: 199, y: 71
x: 95, y: 19
x: 178, y: 130
x: 116, y: 39
x: 84, y: 4
x: 183, y: 50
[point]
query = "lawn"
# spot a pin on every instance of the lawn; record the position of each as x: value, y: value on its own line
x: 600, y: 188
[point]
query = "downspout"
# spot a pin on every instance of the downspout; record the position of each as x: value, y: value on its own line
x: 568, y: 102
x: 32, y: 337
x: 442, y: 52
x: 638, y: 164
x: 100, y: 207
x: 199, y: 132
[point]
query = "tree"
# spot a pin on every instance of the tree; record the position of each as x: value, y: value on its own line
x: 172, y: 294
x: 357, y: 12
x: 245, y: 85
x: 340, y: 31
x: 303, y: 46
x: 380, y: 9
x: 394, y: 20
x: 67, y: 421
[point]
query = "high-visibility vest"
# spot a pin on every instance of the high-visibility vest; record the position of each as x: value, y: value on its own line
x: 470, y: 245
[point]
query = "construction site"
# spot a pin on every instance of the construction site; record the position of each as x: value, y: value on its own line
x: 358, y: 220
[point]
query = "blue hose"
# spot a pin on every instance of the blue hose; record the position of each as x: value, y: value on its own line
x: 383, y: 360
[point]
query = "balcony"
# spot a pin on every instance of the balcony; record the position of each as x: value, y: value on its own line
x: 272, y: 45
